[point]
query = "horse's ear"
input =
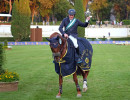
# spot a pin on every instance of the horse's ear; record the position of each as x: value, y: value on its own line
x: 48, y: 39
x: 57, y: 38
x: 60, y: 41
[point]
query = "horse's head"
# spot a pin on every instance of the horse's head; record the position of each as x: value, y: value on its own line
x: 57, y: 46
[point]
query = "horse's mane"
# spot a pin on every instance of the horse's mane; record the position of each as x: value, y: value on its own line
x: 55, y: 34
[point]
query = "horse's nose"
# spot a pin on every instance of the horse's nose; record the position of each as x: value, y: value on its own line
x: 57, y: 59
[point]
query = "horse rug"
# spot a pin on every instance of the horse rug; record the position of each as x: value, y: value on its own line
x: 68, y: 65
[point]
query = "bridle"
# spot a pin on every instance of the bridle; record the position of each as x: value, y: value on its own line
x: 58, y: 54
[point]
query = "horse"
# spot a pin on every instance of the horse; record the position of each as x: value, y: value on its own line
x: 65, y: 62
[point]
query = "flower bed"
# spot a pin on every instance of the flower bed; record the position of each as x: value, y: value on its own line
x: 8, y: 86
x: 9, y: 81
x: 9, y: 77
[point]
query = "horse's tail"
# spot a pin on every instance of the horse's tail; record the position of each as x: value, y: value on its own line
x: 79, y: 71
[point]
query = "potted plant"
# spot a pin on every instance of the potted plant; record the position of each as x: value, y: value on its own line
x: 8, y: 80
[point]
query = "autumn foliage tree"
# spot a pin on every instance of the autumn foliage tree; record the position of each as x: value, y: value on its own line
x: 97, y: 6
x: 46, y: 7
x: 85, y: 3
x: 122, y: 9
x: 34, y: 6
x: 3, y: 7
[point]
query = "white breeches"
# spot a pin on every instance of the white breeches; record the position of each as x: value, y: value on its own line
x: 74, y: 40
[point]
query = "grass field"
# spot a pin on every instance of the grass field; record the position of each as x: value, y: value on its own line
x: 109, y: 78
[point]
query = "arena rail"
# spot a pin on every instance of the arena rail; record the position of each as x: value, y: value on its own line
x: 47, y: 43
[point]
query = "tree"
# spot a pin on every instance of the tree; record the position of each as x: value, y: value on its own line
x: 121, y: 8
x: 80, y: 15
x: 34, y: 6
x: 24, y: 21
x: 46, y: 7
x: 97, y: 6
x: 61, y: 9
x: 85, y: 3
x: 8, y: 2
x: 15, y: 27
x: 128, y: 9
x: 20, y: 26
x: 3, y: 6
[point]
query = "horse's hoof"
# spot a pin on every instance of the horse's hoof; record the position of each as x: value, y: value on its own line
x: 58, y: 96
x: 84, y: 89
x: 79, y: 95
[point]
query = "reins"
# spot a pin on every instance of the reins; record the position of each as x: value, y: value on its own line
x: 63, y: 46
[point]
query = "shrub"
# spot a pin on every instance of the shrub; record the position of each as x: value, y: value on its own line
x: 126, y: 22
x: 5, y: 44
x: 1, y: 58
x: 6, y: 76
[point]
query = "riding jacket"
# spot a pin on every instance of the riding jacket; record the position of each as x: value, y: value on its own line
x: 73, y: 30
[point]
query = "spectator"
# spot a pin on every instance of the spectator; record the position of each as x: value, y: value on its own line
x: 109, y: 34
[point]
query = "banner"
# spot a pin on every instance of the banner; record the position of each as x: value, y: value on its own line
x: 47, y: 43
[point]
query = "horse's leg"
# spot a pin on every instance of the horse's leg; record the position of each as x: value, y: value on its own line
x: 60, y: 87
x: 77, y: 85
x: 85, y: 87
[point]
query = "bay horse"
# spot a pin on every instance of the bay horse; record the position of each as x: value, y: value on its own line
x: 65, y: 63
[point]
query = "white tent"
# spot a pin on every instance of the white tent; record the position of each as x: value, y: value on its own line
x: 5, y: 15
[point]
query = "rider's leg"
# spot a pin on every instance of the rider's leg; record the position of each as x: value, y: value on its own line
x: 74, y: 40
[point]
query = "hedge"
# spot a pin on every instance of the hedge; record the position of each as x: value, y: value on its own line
x: 1, y: 58
x: 126, y: 22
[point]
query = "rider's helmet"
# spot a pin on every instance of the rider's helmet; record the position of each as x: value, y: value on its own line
x: 71, y: 12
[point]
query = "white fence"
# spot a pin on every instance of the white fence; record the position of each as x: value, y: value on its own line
x: 5, y: 31
x: 103, y: 32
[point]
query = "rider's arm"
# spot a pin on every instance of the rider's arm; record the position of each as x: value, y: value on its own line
x: 61, y: 27
x: 82, y: 24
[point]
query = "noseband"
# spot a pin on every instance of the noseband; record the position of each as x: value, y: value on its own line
x: 58, y: 54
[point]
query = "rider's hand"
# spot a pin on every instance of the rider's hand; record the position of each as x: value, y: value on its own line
x: 66, y: 35
x: 87, y: 19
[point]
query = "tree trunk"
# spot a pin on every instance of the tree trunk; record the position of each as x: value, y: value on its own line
x: 127, y: 14
x: 32, y: 16
x: 9, y: 9
x: 98, y: 16
x: 48, y: 17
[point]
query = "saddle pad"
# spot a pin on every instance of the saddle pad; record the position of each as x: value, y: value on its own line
x: 86, y: 52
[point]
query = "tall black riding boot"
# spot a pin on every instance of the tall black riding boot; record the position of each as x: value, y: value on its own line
x: 79, y: 59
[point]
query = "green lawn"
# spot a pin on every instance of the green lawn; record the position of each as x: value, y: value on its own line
x: 109, y: 78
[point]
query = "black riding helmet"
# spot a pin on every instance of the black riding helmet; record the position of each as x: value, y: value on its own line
x: 71, y: 12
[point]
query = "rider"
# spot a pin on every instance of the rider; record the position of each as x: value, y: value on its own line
x: 71, y: 24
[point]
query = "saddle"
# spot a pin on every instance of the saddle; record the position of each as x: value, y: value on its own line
x: 86, y: 51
